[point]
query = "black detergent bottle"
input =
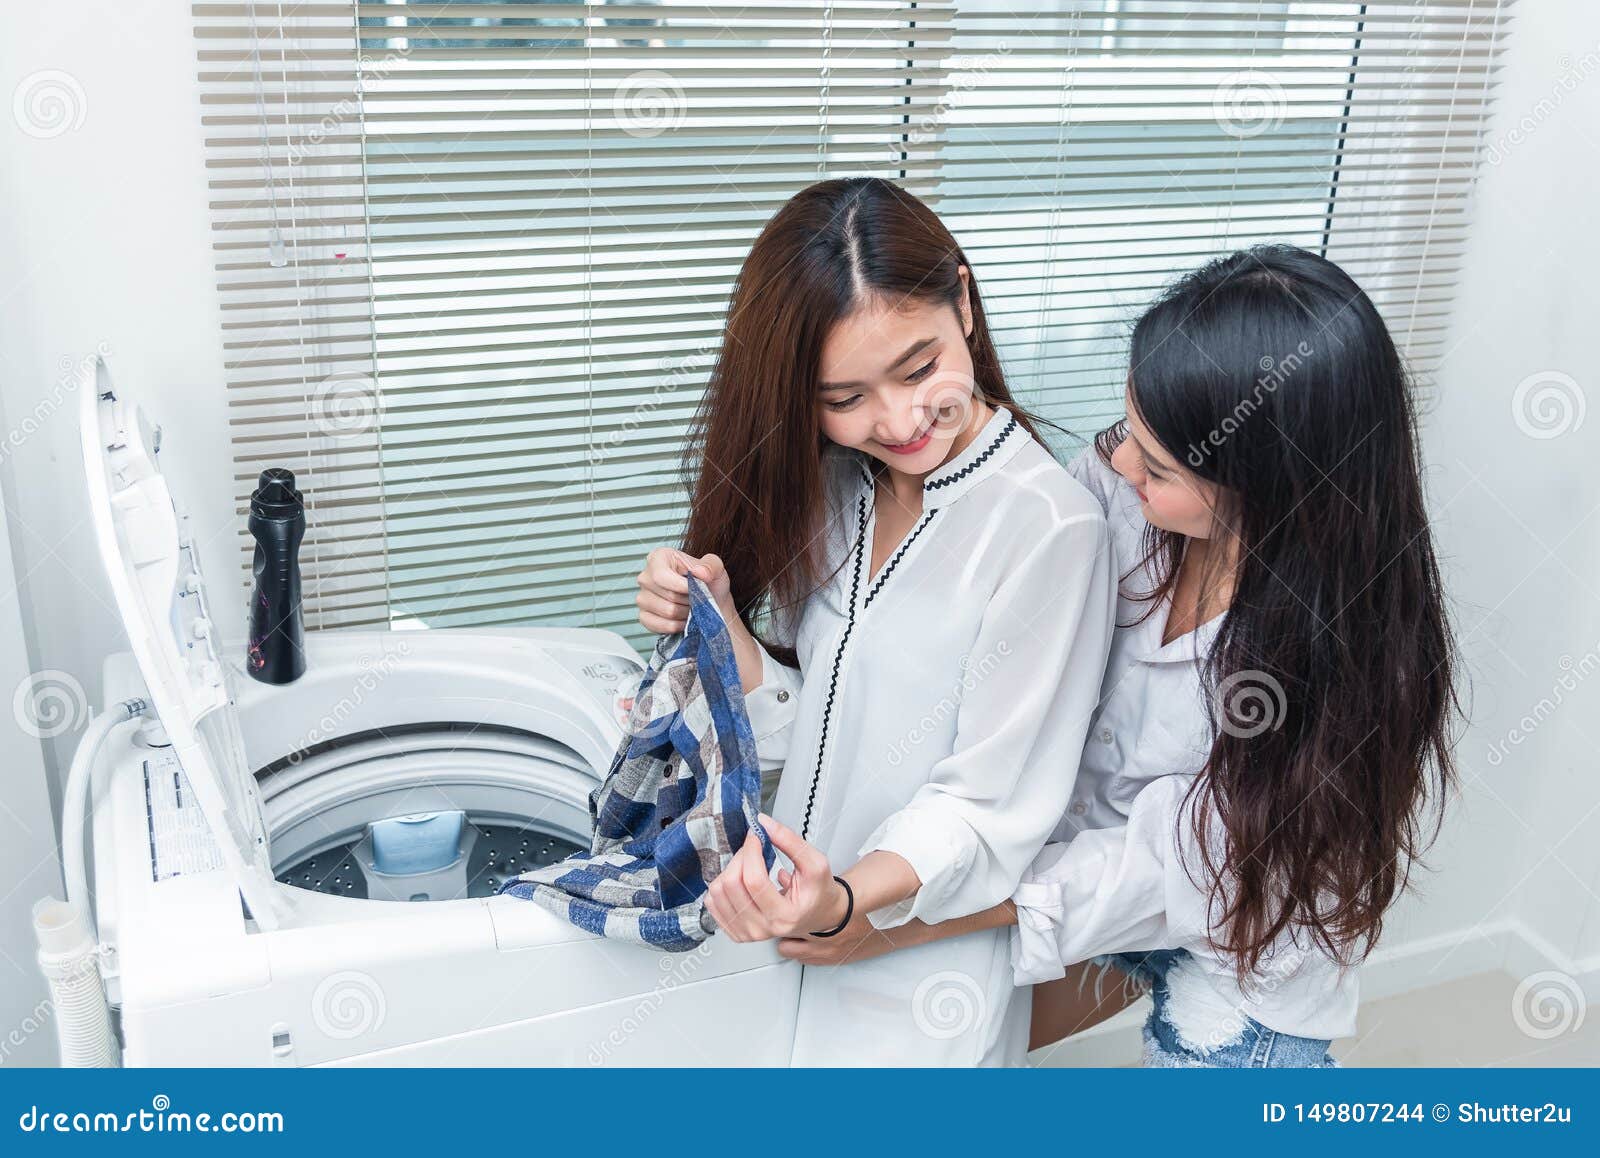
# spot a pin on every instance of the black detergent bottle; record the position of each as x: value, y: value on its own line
x: 276, y: 650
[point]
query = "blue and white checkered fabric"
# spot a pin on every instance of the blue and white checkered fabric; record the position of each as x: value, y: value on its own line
x: 681, y: 796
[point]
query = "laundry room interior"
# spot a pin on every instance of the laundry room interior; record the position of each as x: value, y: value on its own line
x: 479, y: 362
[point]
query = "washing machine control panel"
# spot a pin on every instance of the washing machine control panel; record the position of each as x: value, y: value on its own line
x: 611, y: 678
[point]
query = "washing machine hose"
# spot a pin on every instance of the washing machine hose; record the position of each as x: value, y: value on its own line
x: 69, y: 951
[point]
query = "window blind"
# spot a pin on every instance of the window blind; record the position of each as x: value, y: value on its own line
x: 1093, y: 151
x: 473, y: 258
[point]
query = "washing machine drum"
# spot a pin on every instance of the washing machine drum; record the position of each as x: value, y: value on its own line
x: 426, y: 812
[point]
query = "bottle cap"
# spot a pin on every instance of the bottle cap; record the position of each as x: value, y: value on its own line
x: 275, y: 493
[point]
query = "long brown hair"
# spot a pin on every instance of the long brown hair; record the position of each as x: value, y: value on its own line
x: 756, y: 474
x: 1270, y: 374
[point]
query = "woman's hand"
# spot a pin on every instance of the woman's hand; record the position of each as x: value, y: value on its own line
x: 663, y: 602
x: 748, y: 907
x: 663, y: 598
x: 859, y: 941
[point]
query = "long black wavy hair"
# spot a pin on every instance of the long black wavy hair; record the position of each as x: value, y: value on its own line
x: 1270, y: 374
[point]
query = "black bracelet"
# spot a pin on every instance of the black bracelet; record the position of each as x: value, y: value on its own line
x: 849, y: 910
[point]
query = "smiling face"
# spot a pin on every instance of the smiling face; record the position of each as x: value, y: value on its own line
x: 1170, y: 496
x: 895, y: 381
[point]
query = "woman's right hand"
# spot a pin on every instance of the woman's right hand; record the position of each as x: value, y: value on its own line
x: 663, y: 598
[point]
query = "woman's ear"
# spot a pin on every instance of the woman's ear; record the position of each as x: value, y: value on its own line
x: 965, y: 305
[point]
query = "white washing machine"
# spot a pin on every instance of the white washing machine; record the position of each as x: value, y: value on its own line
x: 267, y: 866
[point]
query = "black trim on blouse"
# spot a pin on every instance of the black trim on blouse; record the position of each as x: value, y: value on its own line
x: 988, y: 452
x: 862, y: 550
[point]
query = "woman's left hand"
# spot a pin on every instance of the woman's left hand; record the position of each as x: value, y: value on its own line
x: 860, y: 940
x: 857, y: 941
x: 748, y: 907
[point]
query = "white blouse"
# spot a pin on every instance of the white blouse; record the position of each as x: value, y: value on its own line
x: 938, y: 713
x: 1116, y: 877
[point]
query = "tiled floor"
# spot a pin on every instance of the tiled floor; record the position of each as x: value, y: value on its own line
x: 1467, y: 1022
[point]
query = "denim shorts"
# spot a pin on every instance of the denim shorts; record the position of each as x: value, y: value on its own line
x: 1197, y: 1028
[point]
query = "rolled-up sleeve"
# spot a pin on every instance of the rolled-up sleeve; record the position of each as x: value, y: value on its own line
x: 771, y: 708
x: 1124, y: 889
x: 1032, y: 685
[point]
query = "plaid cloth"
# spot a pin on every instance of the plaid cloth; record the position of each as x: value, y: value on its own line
x: 682, y: 793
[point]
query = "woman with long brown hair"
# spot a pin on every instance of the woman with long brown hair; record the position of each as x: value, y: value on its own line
x: 920, y: 598
x: 1274, y: 739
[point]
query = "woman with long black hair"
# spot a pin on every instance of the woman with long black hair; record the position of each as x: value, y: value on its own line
x: 1275, y: 729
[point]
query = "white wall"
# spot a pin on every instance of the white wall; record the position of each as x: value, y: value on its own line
x: 1519, y: 515
x: 104, y: 238
x: 29, y: 866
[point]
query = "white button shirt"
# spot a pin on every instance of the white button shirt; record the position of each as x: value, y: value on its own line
x: 1115, y: 877
x: 940, y: 715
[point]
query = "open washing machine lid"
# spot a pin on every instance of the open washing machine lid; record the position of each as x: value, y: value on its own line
x: 154, y: 570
